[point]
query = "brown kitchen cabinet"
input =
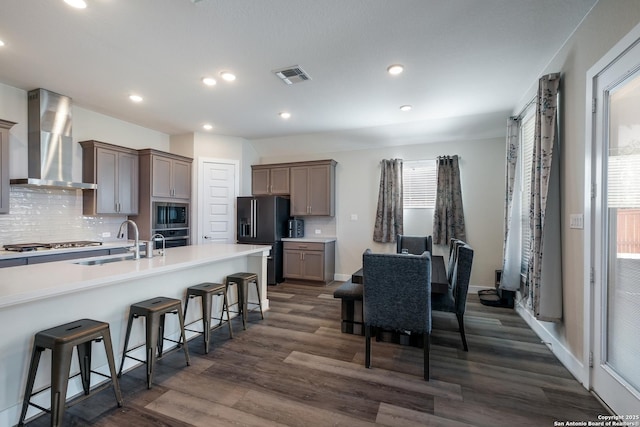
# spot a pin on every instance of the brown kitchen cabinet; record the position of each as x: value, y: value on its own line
x: 313, y: 188
x: 115, y: 171
x: 5, y: 126
x: 269, y: 180
x: 312, y: 261
x: 170, y: 174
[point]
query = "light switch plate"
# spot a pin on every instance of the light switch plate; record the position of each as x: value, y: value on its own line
x: 106, y: 234
x: 576, y: 221
x: 318, y: 231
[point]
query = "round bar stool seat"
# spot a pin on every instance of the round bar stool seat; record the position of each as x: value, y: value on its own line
x: 207, y: 291
x: 242, y: 282
x: 154, y: 311
x: 61, y: 340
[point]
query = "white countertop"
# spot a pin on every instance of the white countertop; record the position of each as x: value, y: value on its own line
x: 27, y: 283
x: 105, y: 245
x: 309, y: 239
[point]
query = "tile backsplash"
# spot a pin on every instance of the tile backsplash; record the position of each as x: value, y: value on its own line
x: 44, y: 215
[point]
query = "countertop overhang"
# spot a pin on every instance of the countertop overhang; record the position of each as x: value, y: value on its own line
x: 23, y: 284
x: 309, y: 239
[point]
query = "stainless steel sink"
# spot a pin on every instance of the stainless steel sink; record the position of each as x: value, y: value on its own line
x: 100, y: 261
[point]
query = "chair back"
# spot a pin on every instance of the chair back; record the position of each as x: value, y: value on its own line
x: 460, y: 277
x: 415, y: 245
x: 453, y: 253
x: 397, y: 291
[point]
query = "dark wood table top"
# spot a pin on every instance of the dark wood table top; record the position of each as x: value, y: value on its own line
x: 439, y: 282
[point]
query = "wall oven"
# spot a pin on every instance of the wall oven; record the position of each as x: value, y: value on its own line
x: 170, y: 215
x: 172, y: 238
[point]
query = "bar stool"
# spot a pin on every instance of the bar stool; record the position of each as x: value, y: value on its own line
x: 207, y: 291
x: 242, y: 281
x: 61, y: 340
x: 154, y: 311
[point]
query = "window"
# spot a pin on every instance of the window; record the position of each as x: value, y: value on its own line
x: 419, y: 181
x: 526, y: 157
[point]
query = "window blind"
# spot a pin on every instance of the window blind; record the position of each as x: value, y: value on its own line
x: 526, y: 144
x: 419, y: 182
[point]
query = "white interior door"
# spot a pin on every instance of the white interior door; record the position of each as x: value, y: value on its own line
x: 219, y: 189
x: 615, y: 255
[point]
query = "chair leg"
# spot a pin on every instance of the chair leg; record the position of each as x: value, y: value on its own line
x: 60, y: 366
x: 225, y: 306
x: 84, y: 361
x: 367, y: 340
x: 461, y: 327
x: 183, y: 337
x: 33, y: 368
x: 206, y: 321
x: 427, y: 347
x: 259, y: 299
x: 108, y: 348
x: 126, y: 343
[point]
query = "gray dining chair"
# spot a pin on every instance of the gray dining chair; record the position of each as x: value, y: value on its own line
x: 414, y: 244
x: 453, y: 253
x: 455, y: 300
x: 396, y: 297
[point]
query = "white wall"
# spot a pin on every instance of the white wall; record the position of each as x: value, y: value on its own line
x: 357, y: 180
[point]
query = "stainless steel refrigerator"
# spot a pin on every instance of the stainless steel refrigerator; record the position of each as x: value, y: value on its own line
x: 263, y: 220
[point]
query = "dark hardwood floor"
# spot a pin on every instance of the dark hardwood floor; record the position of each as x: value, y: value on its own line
x: 295, y: 368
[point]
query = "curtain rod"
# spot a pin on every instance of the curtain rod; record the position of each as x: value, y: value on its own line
x: 551, y: 76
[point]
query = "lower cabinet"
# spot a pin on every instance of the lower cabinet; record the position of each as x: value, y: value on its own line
x: 311, y: 261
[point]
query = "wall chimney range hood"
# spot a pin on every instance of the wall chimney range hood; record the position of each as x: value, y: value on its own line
x: 50, y: 148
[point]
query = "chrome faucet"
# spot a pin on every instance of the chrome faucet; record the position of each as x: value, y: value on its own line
x: 136, y: 248
x: 159, y: 236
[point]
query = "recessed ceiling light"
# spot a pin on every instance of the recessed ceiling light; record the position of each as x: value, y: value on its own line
x: 406, y: 108
x: 228, y: 76
x: 1, y: 43
x: 78, y: 4
x: 207, y: 126
x: 395, y: 69
x: 135, y: 98
x: 209, y: 81
x: 284, y: 115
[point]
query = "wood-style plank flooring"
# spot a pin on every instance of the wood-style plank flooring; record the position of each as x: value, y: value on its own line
x: 295, y: 368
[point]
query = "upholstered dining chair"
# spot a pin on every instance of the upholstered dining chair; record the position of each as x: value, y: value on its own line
x: 414, y: 244
x: 396, y: 296
x: 455, y: 300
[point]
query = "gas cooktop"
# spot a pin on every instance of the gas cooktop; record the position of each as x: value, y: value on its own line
x: 26, y: 247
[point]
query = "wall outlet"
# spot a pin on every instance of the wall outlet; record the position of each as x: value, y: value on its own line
x: 106, y: 234
x: 354, y: 217
x: 318, y: 231
x: 576, y: 221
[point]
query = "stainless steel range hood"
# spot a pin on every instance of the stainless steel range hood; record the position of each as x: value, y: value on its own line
x: 50, y: 148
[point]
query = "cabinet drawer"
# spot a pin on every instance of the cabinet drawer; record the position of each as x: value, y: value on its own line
x: 307, y: 246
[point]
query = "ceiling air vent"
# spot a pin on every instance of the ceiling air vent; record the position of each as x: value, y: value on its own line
x: 292, y: 75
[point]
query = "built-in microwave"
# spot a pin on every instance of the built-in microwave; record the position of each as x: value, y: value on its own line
x: 170, y: 215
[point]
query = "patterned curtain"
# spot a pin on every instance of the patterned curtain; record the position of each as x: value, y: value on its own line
x: 448, y: 217
x: 510, y: 278
x: 389, y: 220
x: 541, y: 182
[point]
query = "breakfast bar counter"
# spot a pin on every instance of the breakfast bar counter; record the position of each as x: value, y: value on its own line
x: 38, y: 297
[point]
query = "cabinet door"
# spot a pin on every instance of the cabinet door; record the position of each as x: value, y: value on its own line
x: 299, y: 191
x: 4, y: 166
x: 127, y: 184
x: 181, y: 176
x: 106, y: 165
x: 260, y: 182
x: 292, y: 264
x: 279, y: 181
x: 161, y: 176
x: 313, y: 265
x: 319, y: 190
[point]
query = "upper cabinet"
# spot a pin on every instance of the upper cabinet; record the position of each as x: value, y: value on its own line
x: 313, y: 188
x: 269, y: 179
x: 4, y: 165
x: 170, y: 174
x: 310, y: 185
x: 114, y: 170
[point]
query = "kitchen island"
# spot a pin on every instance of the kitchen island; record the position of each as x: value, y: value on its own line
x: 37, y: 297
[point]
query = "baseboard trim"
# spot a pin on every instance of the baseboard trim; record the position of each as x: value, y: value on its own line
x: 573, y: 365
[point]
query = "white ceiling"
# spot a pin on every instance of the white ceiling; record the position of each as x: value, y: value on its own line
x: 467, y: 62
